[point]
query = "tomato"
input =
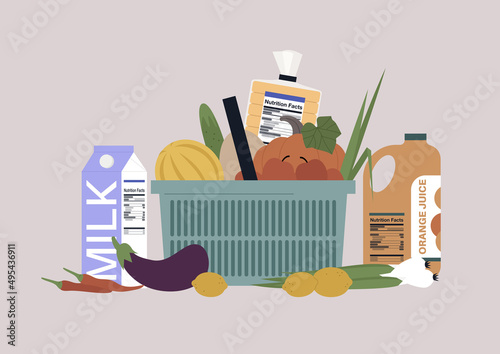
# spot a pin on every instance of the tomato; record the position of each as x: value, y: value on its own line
x: 312, y: 170
x: 274, y: 169
x: 334, y: 175
x: 239, y: 176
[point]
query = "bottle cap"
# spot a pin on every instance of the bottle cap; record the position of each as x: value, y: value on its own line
x: 288, y: 63
x: 421, y: 136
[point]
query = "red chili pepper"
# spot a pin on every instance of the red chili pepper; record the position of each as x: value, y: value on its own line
x: 69, y: 286
x: 102, y: 283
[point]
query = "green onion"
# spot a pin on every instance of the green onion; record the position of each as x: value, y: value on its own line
x: 350, y: 167
x: 375, y: 283
x: 363, y: 276
x: 270, y: 285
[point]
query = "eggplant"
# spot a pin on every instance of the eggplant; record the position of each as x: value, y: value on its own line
x: 174, y: 273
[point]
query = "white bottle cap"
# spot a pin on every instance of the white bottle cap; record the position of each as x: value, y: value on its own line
x: 106, y: 161
x: 288, y: 63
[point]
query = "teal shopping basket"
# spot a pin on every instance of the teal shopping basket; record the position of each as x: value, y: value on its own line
x: 256, y: 229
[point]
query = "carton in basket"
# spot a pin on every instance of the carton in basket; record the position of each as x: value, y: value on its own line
x: 114, y: 194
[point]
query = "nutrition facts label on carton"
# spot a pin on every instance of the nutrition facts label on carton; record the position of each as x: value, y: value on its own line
x: 387, y: 241
x: 134, y: 200
x: 275, y: 106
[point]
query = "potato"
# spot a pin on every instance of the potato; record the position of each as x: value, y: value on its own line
x: 228, y: 157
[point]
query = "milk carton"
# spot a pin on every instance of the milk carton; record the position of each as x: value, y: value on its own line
x: 114, y: 194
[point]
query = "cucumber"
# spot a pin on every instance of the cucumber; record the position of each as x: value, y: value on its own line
x: 210, y: 129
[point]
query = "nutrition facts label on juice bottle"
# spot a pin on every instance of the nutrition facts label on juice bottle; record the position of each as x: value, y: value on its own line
x: 387, y: 241
x: 275, y: 106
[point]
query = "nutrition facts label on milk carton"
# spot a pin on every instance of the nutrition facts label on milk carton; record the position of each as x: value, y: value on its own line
x: 134, y: 207
x: 114, y: 204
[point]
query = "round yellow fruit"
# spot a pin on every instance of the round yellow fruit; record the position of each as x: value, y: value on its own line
x: 209, y: 284
x: 332, y: 282
x: 186, y: 160
x: 300, y: 284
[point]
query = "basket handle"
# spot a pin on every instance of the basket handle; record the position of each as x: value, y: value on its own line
x: 239, y: 138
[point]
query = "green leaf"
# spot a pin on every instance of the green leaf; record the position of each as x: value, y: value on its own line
x: 366, y: 120
x: 305, y: 271
x: 375, y: 283
x: 270, y: 285
x: 359, y: 163
x: 366, y: 155
x: 357, y: 136
x: 351, y: 153
x: 323, y: 136
x: 280, y: 279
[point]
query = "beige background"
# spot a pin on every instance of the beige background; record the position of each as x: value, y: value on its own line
x: 65, y: 78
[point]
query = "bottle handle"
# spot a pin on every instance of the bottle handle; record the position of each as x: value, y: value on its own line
x: 376, y: 157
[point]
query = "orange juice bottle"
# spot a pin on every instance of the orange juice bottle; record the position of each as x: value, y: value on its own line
x: 404, y: 220
x: 271, y: 99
